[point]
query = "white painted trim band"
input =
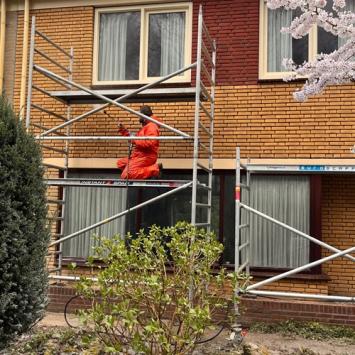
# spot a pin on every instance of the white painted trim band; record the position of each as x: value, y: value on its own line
x: 18, y: 5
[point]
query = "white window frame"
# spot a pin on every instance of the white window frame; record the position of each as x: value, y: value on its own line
x: 145, y: 10
x: 263, y: 40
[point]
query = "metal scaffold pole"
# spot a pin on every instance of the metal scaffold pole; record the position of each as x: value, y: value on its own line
x: 203, y: 124
x: 240, y: 244
x: 197, y: 117
x: 211, y: 135
x: 205, y: 66
x: 65, y: 173
x: 30, y: 73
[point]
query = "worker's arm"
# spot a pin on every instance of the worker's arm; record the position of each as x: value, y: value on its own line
x: 152, y: 130
x: 122, y: 130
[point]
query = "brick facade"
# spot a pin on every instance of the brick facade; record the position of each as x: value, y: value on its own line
x: 260, y: 117
x: 263, y: 119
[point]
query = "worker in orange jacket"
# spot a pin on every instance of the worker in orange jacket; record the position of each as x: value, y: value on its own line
x: 142, y: 162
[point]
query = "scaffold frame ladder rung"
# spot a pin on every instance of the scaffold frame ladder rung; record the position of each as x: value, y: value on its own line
x: 62, y: 182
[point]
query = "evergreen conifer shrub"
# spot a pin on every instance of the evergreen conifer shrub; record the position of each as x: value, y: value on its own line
x: 23, y: 233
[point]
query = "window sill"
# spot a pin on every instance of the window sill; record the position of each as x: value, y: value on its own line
x: 279, y: 80
x: 150, y: 95
x: 266, y: 273
x: 82, y: 262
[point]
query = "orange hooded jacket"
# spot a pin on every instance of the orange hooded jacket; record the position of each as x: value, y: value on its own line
x: 142, y: 162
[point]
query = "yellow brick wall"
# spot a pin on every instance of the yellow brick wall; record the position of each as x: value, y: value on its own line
x: 338, y: 229
x: 267, y: 123
x: 307, y: 286
x: 291, y: 285
x: 10, y: 55
x: 263, y: 119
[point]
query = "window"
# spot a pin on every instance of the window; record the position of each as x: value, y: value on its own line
x: 88, y: 205
x: 275, y: 46
x: 284, y: 197
x: 141, y: 44
x: 177, y: 207
x: 287, y: 199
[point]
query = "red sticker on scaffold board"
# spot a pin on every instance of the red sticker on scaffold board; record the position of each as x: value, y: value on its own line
x: 237, y: 193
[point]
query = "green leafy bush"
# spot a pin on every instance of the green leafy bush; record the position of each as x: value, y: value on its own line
x: 158, y: 292
x: 23, y: 233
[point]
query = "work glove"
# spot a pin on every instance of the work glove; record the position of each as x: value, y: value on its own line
x: 122, y: 130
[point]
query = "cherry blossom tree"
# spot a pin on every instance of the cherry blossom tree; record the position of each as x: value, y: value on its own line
x: 337, y: 67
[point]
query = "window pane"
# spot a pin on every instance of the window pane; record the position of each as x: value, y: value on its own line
x: 88, y: 205
x: 300, y: 50
x: 119, y: 45
x: 327, y: 42
x: 300, y: 45
x: 282, y: 45
x: 176, y: 207
x: 350, y: 6
x: 287, y: 199
x: 166, y: 44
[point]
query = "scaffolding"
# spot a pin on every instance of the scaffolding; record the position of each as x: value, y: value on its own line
x: 202, y: 163
x: 242, y: 247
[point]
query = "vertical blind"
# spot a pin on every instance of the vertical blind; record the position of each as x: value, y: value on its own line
x: 88, y: 205
x: 287, y: 199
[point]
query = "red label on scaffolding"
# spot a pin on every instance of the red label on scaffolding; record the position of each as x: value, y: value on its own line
x: 237, y: 193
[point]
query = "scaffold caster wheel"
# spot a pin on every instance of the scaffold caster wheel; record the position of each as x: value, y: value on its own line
x: 236, y: 336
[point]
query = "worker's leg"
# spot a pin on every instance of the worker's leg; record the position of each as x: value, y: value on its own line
x: 141, y: 168
x: 146, y: 172
x: 121, y: 163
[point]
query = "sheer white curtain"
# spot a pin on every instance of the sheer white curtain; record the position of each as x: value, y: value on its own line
x: 279, y: 45
x: 172, y: 42
x: 286, y: 198
x: 88, y: 205
x: 112, y: 48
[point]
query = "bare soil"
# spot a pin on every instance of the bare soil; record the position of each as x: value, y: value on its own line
x: 277, y: 344
x: 255, y: 343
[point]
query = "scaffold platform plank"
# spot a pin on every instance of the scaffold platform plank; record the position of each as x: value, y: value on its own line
x: 148, y: 95
x: 115, y: 183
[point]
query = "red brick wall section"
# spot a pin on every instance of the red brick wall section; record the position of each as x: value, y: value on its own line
x: 253, y: 310
x: 235, y: 26
x: 272, y: 310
